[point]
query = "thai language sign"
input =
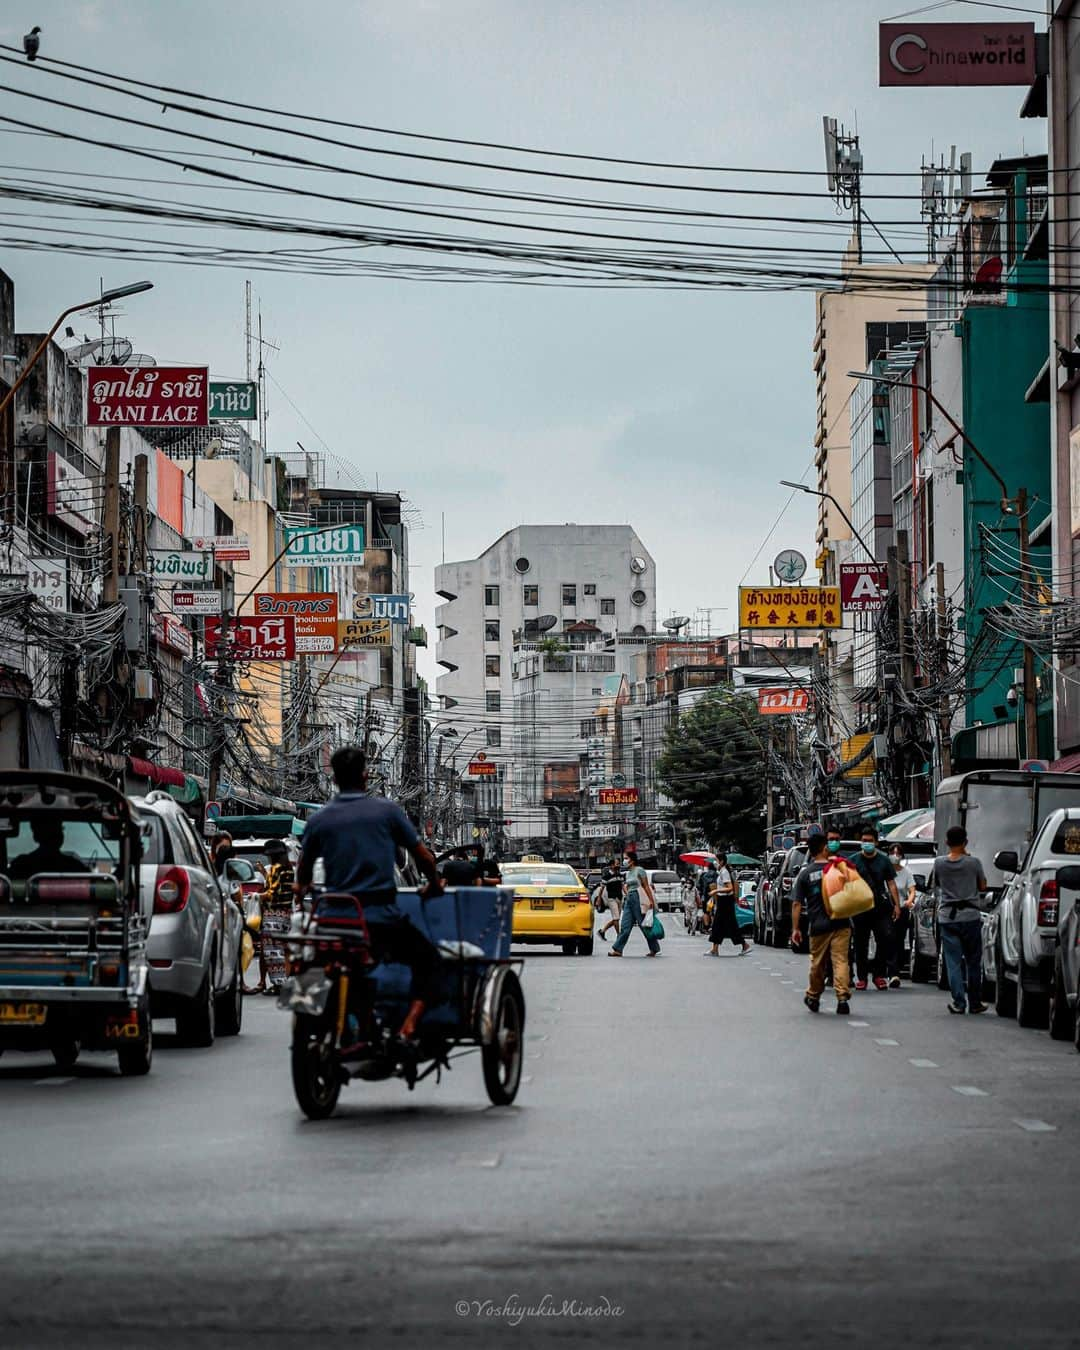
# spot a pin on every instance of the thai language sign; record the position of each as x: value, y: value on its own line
x: 922, y: 54
x: 307, y: 547
x: 225, y: 547
x: 483, y: 769
x: 863, y: 587
x: 613, y: 796
x: 197, y: 602
x: 392, y: 607
x: 47, y: 578
x: 70, y: 495
x: 234, y: 401
x: 147, y: 396
x: 789, y: 607
x: 607, y: 831
x: 314, y: 615
x: 170, y: 632
x: 252, y: 639
x: 783, y: 701
x: 176, y: 564
x: 364, y: 633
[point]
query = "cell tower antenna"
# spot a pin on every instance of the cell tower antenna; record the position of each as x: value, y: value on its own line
x: 843, y: 168
x: 247, y: 329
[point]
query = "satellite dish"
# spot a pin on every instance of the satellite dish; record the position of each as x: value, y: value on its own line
x: 84, y: 353
x: 115, y: 351
x: 638, y: 565
x: 140, y: 359
x: 546, y: 622
x: 675, y: 624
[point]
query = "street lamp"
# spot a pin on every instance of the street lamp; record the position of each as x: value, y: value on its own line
x: 817, y: 492
x: 105, y: 298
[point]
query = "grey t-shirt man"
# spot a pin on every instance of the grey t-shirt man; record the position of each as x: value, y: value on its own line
x: 958, y: 882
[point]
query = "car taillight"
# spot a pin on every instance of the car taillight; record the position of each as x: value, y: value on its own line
x: 171, y: 890
x: 1046, y: 916
x: 582, y: 898
x: 787, y: 883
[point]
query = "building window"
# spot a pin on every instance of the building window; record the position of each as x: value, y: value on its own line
x: 588, y: 728
x: 569, y: 594
x: 494, y: 700
x: 607, y: 606
x: 589, y: 588
x: 491, y: 630
x: 530, y: 595
x: 491, y: 595
x: 491, y: 665
x: 494, y: 736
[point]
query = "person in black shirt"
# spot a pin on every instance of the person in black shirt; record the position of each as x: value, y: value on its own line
x: 879, y: 874
x: 613, y: 889
x: 830, y: 939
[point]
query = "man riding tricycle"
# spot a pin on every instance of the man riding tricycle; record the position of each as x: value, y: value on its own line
x: 387, y: 982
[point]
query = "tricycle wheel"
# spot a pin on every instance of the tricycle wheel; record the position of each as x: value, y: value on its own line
x: 503, y: 1057
x: 65, y: 1051
x: 135, y: 1057
x: 315, y: 1076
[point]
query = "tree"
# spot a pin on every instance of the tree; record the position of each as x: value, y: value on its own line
x: 713, y: 767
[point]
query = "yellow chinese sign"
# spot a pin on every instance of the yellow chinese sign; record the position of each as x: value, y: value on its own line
x: 789, y: 607
x: 364, y: 633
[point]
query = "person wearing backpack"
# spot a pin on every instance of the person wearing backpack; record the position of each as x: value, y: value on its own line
x: 830, y: 939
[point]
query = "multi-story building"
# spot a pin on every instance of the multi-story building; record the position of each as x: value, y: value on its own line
x: 550, y: 595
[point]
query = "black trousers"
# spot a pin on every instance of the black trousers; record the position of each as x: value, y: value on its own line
x: 879, y: 922
x: 725, y: 923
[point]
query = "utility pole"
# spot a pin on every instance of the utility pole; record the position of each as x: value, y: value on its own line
x: 945, y: 712
x: 110, y: 516
x: 222, y: 685
x: 137, y: 556
x: 1027, y: 589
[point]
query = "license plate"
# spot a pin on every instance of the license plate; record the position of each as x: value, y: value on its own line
x: 542, y: 904
x: 22, y: 1014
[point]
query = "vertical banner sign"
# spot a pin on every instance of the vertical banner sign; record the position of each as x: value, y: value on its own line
x: 142, y: 396
x: 863, y: 587
x: 789, y: 607
x: 922, y: 54
x: 314, y: 616
x: 306, y: 546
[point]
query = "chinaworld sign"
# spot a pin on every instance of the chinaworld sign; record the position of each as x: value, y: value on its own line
x: 142, y: 396
x: 922, y: 54
x: 863, y: 587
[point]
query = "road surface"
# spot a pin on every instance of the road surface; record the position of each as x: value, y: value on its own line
x: 693, y: 1159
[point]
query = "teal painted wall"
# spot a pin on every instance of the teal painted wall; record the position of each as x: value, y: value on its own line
x: 1004, y: 347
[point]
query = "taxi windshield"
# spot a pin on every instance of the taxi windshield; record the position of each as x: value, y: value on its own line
x: 524, y: 875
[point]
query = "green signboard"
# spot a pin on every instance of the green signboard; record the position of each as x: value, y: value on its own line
x: 233, y: 401
x: 308, y: 547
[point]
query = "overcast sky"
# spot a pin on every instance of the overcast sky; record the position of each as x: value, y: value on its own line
x: 676, y: 412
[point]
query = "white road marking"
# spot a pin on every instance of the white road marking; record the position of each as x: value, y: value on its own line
x: 858, y: 1024
x: 475, y: 1160
x: 52, y: 1082
x: 787, y: 981
x: 884, y: 1040
x: 1036, y: 1126
x: 777, y: 974
x: 923, y: 1063
x: 966, y: 1090
x: 526, y: 1077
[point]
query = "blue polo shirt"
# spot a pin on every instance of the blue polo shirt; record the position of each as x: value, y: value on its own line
x: 357, y: 836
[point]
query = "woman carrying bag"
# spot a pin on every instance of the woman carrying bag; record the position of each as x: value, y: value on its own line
x: 636, y: 884
x: 725, y: 923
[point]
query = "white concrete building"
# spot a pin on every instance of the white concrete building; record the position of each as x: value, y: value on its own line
x: 535, y: 582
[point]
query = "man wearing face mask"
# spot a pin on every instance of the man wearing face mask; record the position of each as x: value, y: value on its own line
x: 879, y: 874
x: 905, y: 885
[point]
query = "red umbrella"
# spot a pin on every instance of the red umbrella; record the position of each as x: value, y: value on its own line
x: 698, y: 859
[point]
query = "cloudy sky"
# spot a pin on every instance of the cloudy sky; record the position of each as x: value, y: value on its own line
x: 675, y: 411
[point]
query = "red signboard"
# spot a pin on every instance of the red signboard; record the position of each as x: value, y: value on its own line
x: 483, y: 769
x: 863, y: 587
x: 147, y: 396
x: 922, y: 54
x: 617, y: 796
x: 783, y: 701
x: 253, y: 638
x: 314, y: 615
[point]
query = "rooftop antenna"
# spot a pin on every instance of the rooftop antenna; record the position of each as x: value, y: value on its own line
x: 843, y: 169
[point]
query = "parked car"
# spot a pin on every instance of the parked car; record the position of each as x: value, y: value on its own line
x: 1064, y: 1015
x: 1021, y: 927
x: 667, y: 889
x: 769, y: 873
x: 778, y: 906
x: 195, y: 929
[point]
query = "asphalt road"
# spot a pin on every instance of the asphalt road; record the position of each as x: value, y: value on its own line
x: 693, y: 1158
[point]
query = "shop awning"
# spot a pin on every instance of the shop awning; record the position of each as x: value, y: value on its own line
x: 187, y: 792
x: 1067, y: 763
x: 156, y: 773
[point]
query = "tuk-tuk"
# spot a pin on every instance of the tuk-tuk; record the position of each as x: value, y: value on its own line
x: 73, y: 967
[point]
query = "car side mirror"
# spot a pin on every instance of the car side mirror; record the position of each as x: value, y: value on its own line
x: 1007, y: 861
x: 1068, y: 878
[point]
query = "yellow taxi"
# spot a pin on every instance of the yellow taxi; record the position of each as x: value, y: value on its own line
x: 551, y: 904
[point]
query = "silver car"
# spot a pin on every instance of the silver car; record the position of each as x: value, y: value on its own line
x: 667, y: 888
x: 195, y: 929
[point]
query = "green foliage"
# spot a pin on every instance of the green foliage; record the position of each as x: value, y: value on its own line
x: 713, y: 767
